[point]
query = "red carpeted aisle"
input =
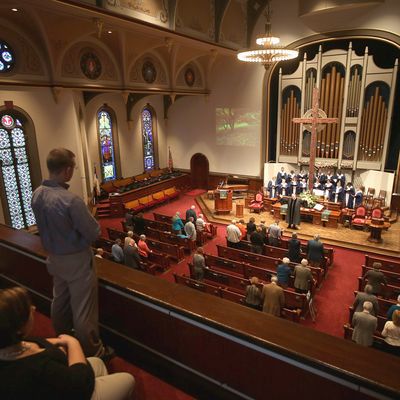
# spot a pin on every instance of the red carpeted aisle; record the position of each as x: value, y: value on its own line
x: 331, y: 301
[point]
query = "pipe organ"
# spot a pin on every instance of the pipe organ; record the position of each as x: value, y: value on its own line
x: 353, y: 89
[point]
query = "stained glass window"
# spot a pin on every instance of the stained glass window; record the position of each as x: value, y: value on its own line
x: 148, y: 139
x: 107, y: 149
x: 6, y: 57
x: 15, y: 172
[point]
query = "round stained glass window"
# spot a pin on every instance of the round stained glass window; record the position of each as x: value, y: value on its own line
x: 90, y: 65
x: 6, y: 57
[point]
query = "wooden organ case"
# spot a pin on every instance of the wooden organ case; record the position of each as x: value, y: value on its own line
x: 352, y: 89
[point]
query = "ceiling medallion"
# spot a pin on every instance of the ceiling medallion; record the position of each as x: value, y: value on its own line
x: 269, y: 50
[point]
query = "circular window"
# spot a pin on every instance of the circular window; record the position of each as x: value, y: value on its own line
x: 189, y: 77
x: 149, y: 72
x: 6, y: 57
x: 90, y: 65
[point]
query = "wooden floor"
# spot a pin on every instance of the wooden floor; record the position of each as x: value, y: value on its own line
x: 345, y: 237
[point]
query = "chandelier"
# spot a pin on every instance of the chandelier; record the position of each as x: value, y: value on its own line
x: 270, y: 51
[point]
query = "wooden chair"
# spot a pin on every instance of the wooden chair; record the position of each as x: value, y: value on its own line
x: 257, y: 204
x: 359, y: 217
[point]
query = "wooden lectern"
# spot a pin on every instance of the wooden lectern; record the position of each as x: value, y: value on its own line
x: 223, y: 201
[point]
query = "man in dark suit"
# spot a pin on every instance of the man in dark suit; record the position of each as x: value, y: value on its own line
x: 294, y: 248
x: 375, y: 278
x: 366, y: 295
x: 364, y: 325
x: 315, y: 252
x: 191, y: 213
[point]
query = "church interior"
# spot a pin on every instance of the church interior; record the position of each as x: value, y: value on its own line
x: 162, y: 113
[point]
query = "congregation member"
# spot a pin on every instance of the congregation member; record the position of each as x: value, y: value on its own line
x: 273, y: 298
x: 177, y: 224
x: 199, y: 264
x: 364, y: 324
x: 233, y: 235
x: 117, y: 252
x: 99, y: 252
x: 242, y: 227
x: 393, y: 308
x: 201, y: 225
x: 131, y: 255
x: 273, y: 188
x: 294, y: 248
x: 143, y: 248
x: 302, y: 277
x: 251, y: 227
x: 129, y: 220
x: 391, y: 333
x: 257, y: 241
x: 67, y: 230
x: 366, y: 295
x: 190, y: 229
x: 315, y: 252
x: 54, y: 368
x: 375, y: 278
x: 349, y: 194
x: 191, y: 213
x: 253, y: 294
x: 293, y: 212
x: 138, y: 223
x: 283, y: 272
x: 264, y: 230
x: 274, y: 234
x: 128, y: 238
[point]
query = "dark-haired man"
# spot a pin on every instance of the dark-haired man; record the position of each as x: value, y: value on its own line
x: 67, y: 230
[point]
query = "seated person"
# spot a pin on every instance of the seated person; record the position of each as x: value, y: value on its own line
x: 53, y: 368
x: 143, y: 249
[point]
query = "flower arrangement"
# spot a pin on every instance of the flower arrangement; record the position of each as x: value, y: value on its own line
x: 308, y: 199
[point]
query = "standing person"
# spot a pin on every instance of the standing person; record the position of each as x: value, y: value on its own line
x: 273, y: 298
x: 393, y: 308
x: 293, y: 212
x: 364, y: 296
x: 302, y: 277
x: 251, y: 227
x: 242, y: 226
x: 315, y: 252
x: 202, y: 225
x: 294, y: 248
x: 67, y: 230
x: 131, y: 255
x: 190, y: 229
x: 143, y: 249
x: 391, y: 333
x: 199, y: 264
x: 283, y: 272
x: 274, y: 234
x: 128, y: 238
x: 375, y: 278
x: 364, y: 325
x: 177, y: 224
x: 54, y: 368
x: 129, y: 221
x: 117, y: 252
x: 253, y: 294
x: 233, y: 235
x: 191, y: 213
x: 257, y: 241
x: 138, y: 224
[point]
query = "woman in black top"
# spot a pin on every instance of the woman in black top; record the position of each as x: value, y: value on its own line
x: 251, y: 227
x: 294, y: 249
x: 48, y: 368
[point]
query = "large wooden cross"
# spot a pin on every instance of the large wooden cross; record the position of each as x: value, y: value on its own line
x: 315, y: 121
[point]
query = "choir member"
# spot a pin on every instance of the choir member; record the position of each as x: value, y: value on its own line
x: 281, y: 175
x: 303, y: 185
x: 273, y: 188
x: 284, y: 188
x: 358, y: 197
x: 349, y: 196
x: 294, y: 186
x: 337, y: 193
x: 341, y: 178
x: 328, y: 190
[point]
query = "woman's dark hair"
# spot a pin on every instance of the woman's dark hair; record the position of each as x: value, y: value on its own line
x: 15, y: 309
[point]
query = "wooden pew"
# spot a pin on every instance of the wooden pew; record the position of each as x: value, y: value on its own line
x: 225, y: 264
x: 261, y: 261
x: 201, y: 286
x: 171, y: 238
x: 392, y: 278
x: 387, y: 265
x: 384, y: 304
x: 173, y: 250
x: 388, y: 292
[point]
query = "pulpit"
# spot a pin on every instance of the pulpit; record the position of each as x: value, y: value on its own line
x: 239, y: 209
x: 223, y: 201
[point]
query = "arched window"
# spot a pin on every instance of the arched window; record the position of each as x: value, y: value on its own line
x: 149, y: 138
x: 16, y: 173
x: 107, y: 140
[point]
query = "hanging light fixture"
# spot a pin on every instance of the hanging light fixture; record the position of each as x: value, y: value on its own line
x: 270, y: 51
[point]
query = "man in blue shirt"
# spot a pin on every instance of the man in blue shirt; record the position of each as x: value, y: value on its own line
x: 67, y: 230
x: 117, y: 252
x: 283, y: 272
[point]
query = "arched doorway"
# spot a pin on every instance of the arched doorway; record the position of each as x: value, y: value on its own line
x: 199, y: 169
